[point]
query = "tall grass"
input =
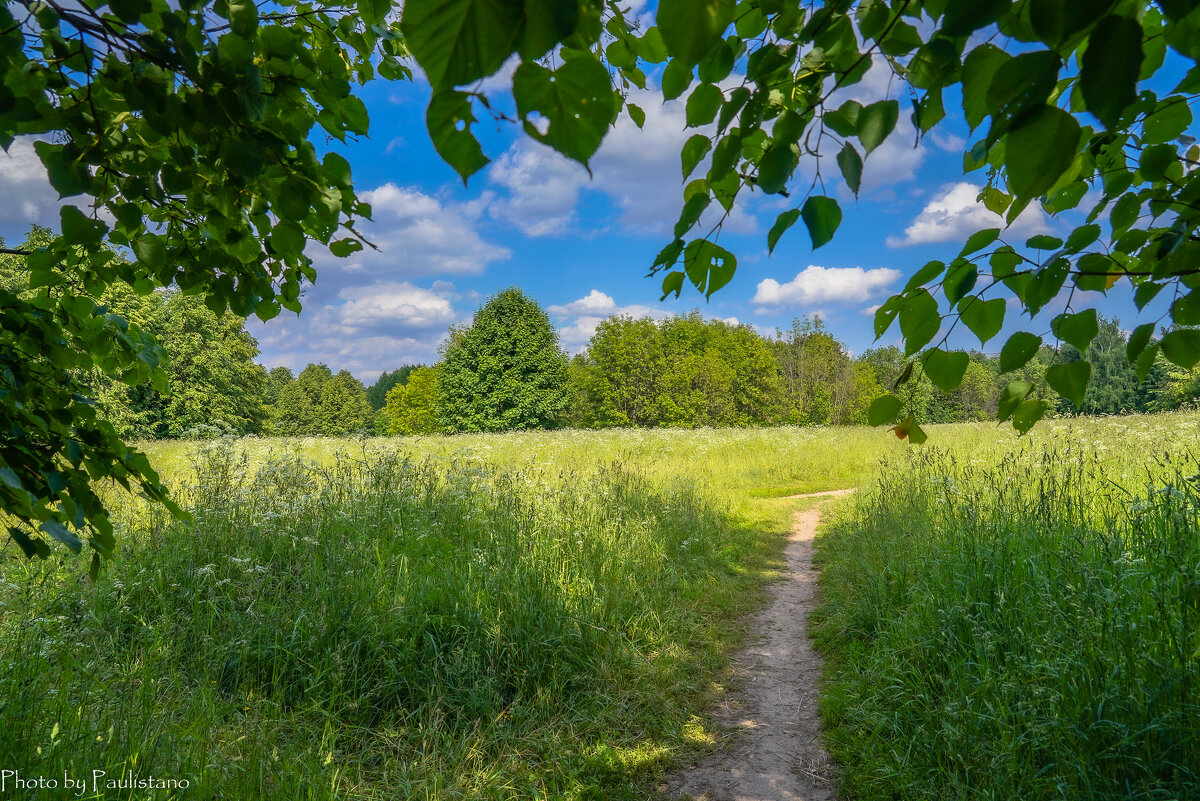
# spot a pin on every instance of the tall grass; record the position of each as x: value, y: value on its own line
x: 1026, y: 628
x: 382, y: 627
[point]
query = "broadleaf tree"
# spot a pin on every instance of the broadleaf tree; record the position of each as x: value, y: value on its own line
x: 182, y: 133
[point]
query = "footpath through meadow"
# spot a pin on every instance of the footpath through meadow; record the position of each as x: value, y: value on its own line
x: 777, y: 755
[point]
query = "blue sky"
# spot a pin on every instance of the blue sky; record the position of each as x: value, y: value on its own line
x: 582, y: 246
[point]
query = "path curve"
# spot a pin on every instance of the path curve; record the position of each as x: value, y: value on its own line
x: 777, y: 755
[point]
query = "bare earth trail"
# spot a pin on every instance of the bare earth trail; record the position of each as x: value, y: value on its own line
x: 777, y: 755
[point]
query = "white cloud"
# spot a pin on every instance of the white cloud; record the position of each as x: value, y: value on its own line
x: 416, y: 234
x: 955, y: 214
x: 366, y: 329
x: 595, y: 302
x: 543, y: 188
x: 817, y: 284
x: 385, y: 307
x: 23, y: 182
x: 637, y: 168
x: 578, y: 319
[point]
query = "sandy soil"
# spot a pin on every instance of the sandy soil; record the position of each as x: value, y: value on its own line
x: 777, y: 755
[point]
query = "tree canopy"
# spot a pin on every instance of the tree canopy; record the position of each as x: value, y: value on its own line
x: 504, y: 371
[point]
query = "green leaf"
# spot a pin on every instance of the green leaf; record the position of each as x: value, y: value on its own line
x: 1170, y: 118
x: 1138, y: 340
x: 851, y: 165
x: 908, y: 429
x: 1070, y: 380
x: 884, y: 409
x: 702, y: 104
x: 1077, y: 329
x: 61, y: 533
x: 978, y: 70
x: 1185, y: 310
x: 1111, y: 63
x: 547, y: 22
x: 1040, y: 151
x: 694, y: 150
x: 67, y: 175
x: 886, y: 313
x: 964, y: 17
x: 946, y: 368
x: 690, y: 28
x: 1018, y: 350
x: 30, y: 546
x: 151, y: 250
x: 344, y: 247
x: 373, y: 11
x: 822, y: 215
x: 980, y: 240
x: 960, y: 279
x: 985, y: 318
x: 844, y: 121
x: 449, y: 119
x: 78, y: 229
x: 776, y: 166
x: 672, y: 282
x: 875, y: 122
x: 1011, y: 396
x: 1043, y: 242
x: 783, y: 222
x: 676, y: 78
x: 577, y: 99
x: 1019, y: 90
x: 1182, y: 347
x: 924, y: 275
x: 458, y: 42
x: 1027, y: 413
x: 919, y: 320
x: 636, y: 114
x: 708, y: 266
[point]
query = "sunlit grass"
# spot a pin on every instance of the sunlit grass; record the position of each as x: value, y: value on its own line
x: 528, y: 615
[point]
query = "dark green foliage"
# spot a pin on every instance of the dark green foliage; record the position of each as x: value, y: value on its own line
x: 377, y: 392
x: 214, y: 385
x: 343, y: 407
x: 505, y: 371
x: 321, y: 404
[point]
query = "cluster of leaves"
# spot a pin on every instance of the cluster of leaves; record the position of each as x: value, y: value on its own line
x: 183, y: 130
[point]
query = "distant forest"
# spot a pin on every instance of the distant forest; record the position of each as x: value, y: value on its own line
x: 507, y: 371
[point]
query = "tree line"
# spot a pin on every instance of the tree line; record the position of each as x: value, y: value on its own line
x: 506, y: 370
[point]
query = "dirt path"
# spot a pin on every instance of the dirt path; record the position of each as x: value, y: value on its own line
x: 778, y: 755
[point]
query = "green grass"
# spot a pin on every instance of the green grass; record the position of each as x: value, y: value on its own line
x: 550, y: 615
x: 1020, y: 627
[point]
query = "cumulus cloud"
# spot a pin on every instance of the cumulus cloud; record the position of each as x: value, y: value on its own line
x: 29, y: 198
x: 577, y: 320
x: 636, y: 168
x: 817, y: 284
x: 366, y: 329
x: 417, y: 234
x: 955, y: 214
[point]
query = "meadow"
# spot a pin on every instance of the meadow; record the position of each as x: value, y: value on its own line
x: 550, y: 615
